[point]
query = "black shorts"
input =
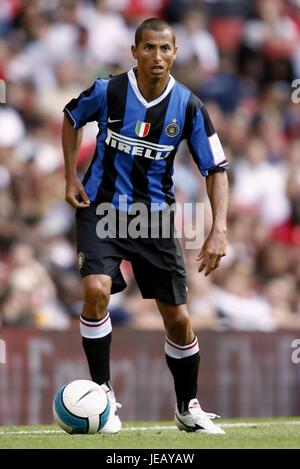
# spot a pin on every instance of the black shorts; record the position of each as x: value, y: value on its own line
x: 157, y: 263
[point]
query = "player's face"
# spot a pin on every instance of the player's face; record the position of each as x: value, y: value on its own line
x: 155, y: 53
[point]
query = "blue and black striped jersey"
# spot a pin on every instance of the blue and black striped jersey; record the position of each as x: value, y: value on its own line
x: 138, y: 140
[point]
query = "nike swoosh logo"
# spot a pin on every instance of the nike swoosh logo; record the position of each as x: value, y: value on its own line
x: 110, y: 121
x: 191, y: 428
x: 85, y: 394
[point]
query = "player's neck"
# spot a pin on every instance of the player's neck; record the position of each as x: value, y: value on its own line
x: 151, y: 89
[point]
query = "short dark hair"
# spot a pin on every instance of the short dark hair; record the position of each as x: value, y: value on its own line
x: 157, y: 24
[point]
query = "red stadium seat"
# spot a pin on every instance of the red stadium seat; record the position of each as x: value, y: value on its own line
x: 227, y: 33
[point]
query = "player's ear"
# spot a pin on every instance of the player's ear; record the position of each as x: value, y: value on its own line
x: 175, y: 52
x: 133, y: 51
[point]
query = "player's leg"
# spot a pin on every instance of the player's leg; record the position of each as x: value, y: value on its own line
x: 182, y: 352
x: 95, y: 326
x: 183, y: 358
x: 99, y: 262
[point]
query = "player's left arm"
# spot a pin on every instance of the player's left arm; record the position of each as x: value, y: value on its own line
x: 208, y: 154
x: 214, y: 247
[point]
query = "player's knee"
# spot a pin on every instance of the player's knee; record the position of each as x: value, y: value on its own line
x: 182, y: 320
x: 178, y: 321
x: 179, y: 329
x: 96, y: 292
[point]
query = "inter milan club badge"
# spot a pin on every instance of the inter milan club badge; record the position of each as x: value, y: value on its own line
x: 142, y: 128
x: 81, y: 260
x: 172, y: 130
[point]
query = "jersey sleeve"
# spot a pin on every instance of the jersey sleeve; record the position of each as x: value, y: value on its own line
x: 87, y: 107
x: 203, y: 141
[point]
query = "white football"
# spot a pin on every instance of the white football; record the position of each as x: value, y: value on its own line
x: 81, y: 406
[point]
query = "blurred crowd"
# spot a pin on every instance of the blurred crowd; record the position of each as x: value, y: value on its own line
x: 241, y: 58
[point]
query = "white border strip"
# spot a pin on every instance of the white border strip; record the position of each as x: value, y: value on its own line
x: 157, y: 427
x: 69, y: 114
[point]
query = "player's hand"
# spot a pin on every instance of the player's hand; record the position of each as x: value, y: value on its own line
x: 212, y: 251
x: 75, y: 192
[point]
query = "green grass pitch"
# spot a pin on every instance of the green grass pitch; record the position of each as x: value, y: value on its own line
x: 240, y: 433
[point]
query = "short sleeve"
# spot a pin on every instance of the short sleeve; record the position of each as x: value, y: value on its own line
x: 87, y: 107
x: 203, y: 141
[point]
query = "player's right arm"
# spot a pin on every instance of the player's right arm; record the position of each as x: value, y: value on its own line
x: 71, y: 141
x: 79, y: 111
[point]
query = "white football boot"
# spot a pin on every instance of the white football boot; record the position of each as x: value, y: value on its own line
x: 113, y: 424
x: 196, y: 420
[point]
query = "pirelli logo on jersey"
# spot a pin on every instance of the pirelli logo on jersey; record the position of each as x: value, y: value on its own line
x: 135, y: 147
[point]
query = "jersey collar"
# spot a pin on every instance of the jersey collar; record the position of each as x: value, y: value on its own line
x: 133, y: 82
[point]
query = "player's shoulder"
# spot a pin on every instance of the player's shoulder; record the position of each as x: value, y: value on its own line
x: 113, y: 83
x: 194, y: 102
x: 114, y: 78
